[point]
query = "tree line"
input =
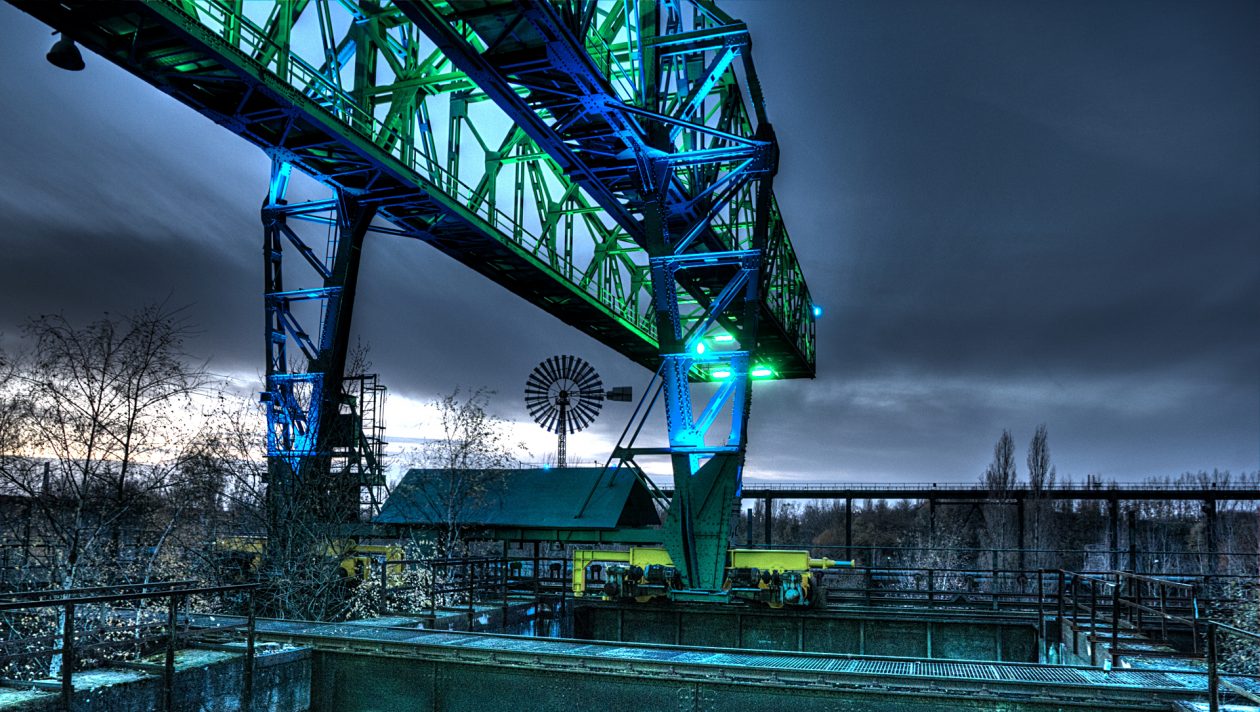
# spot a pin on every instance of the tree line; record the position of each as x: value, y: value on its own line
x: 1162, y: 536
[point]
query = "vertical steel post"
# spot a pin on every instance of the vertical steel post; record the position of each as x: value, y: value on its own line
x: 1209, y: 512
x: 1093, y: 622
x: 468, y: 586
x: 1041, y: 615
x: 1133, y: 553
x: 768, y: 521
x: 1113, y: 532
x: 848, y: 526
x: 67, y: 658
x: 168, y: 668
x: 1214, y: 678
x: 1194, y: 619
x: 1019, y: 517
x: 1115, y: 622
x: 1076, y: 617
x: 931, y: 523
x: 503, y: 582
x: 381, y: 603
x: 1163, y: 609
x: 537, y: 563
x: 251, y: 625
x: 1141, y: 598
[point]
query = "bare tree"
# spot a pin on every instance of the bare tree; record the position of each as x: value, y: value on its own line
x: 103, y: 407
x: 999, y: 478
x: 472, y: 452
x: 1041, y: 476
x: 94, y: 428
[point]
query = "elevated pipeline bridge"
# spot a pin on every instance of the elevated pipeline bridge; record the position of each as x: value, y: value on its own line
x: 610, y: 161
x: 927, y: 491
x: 1209, y: 495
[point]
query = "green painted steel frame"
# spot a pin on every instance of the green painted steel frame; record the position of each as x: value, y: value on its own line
x: 350, y: 93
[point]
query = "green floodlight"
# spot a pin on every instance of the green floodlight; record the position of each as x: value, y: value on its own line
x: 721, y: 375
x: 762, y: 372
x: 724, y: 338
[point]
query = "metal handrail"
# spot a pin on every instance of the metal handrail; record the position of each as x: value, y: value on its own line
x: 1215, y: 681
x: 175, y: 593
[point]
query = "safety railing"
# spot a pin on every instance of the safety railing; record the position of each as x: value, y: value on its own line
x: 933, y: 587
x: 412, y: 586
x: 65, y: 630
x: 1232, y: 682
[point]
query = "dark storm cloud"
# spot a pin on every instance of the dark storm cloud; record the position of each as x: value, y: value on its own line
x: 1012, y: 213
x: 1016, y: 213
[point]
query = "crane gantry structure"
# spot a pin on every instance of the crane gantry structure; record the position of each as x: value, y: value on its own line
x: 610, y: 161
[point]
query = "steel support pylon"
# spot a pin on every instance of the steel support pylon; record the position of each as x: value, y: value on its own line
x: 314, y: 431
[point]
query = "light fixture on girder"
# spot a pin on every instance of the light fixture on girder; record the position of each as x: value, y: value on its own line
x: 65, y: 54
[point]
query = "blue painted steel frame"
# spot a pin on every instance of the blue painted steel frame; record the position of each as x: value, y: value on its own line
x: 627, y: 156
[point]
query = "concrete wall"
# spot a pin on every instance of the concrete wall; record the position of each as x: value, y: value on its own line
x: 349, y: 682
x: 205, y: 681
x: 858, y: 633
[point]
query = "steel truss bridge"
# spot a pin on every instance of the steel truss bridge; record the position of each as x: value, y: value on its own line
x: 610, y: 161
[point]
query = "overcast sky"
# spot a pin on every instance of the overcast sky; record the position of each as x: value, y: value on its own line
x: 1012, y: 213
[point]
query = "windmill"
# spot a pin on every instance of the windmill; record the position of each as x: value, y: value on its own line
x: 564, y: 395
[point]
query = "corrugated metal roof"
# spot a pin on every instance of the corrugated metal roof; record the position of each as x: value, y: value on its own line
x: 533, y: 498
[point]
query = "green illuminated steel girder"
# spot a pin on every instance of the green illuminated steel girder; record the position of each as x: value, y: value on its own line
x: 422, y: 145
x: 351, y: 93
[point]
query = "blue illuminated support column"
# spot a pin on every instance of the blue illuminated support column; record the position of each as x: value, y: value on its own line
x: 716, y: 345
x: 303, y: 396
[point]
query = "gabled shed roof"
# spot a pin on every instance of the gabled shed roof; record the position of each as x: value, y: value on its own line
x: 528, y: 498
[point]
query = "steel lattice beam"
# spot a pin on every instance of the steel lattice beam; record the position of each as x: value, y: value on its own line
x: 609, y: 161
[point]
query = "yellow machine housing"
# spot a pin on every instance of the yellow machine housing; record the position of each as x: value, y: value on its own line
x: 357, y: 562
x: 776, y: 577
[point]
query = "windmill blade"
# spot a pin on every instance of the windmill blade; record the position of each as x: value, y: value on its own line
x: 557, y: 367
x: 593, y: 385
x: 532, y: 391
x: 585, y: 414
x: 577, y: 420
x: 594, y: 399
x: 587, y: 377
x: 540, y: 373
x: 539, y: 408
x: 546, y: 372
x: 536, y: 407
x: 591, y: 407
x: 549, y: 420
x: 595, y: 393
x: 566, y: 367
x: 581, y: 369
x: 538, y: 386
